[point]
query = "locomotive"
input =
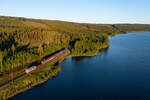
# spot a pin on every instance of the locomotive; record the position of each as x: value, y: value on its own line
x: 30, y: 69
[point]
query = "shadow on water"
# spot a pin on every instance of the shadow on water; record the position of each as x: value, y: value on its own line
x: 105, y: 51
x: 80, y: 58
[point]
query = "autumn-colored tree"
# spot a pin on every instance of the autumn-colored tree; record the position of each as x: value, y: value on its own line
x: 13, y: 49
x: 40, y: 49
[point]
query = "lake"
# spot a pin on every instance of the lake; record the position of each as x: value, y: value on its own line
x: 120, y: 73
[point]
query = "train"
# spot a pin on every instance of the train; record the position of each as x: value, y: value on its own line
x: 30, y: 69
x: 45, y: 61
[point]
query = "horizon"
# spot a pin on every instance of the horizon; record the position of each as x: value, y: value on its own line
x: 92, y: 12
x: 69, y: 21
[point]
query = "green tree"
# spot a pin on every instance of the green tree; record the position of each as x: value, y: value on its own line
x: 40, y: 49
x: 1, y: 60
x: 13, y: 51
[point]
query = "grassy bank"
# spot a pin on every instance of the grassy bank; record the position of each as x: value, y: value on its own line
x: 37, y: 77
x: 33, y: 79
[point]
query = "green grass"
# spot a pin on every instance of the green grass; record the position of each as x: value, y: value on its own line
x: 37, y: 77
x: 33, y: 79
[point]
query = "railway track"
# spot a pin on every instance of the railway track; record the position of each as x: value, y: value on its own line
x: 11, y: 82
x: 56, y: 56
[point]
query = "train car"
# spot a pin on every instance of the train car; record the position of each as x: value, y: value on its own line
x: 47, y: 60
x: 53, y: 57
x: 39, y: 66
x: 29, y: 70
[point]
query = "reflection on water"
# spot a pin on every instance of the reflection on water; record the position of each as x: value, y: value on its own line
x: 79, y: 58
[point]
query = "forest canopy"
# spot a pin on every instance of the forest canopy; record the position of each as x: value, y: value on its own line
x: 25, y: 40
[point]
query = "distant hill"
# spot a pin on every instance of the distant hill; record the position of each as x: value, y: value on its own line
x: 35, y: 31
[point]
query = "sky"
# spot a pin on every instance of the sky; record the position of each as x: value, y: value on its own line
x: 82, y: 11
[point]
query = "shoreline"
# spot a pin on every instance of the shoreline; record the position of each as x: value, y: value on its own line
x: 34, y: 85
x: 50, y: 71
x: 50, y: 75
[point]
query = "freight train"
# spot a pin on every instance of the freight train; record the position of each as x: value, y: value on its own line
x: 45, y: 61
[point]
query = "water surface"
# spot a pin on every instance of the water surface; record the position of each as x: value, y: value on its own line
x: 120, y: 73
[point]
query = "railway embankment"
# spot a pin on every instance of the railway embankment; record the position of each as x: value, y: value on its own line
x: 35, y: 78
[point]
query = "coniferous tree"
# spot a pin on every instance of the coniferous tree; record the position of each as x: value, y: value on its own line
x: 1, y: 61
x: 13, y: 49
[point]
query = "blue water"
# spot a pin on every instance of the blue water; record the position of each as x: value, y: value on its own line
x: 120, y: 73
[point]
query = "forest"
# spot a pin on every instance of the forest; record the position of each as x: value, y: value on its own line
x: 25, y: 41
